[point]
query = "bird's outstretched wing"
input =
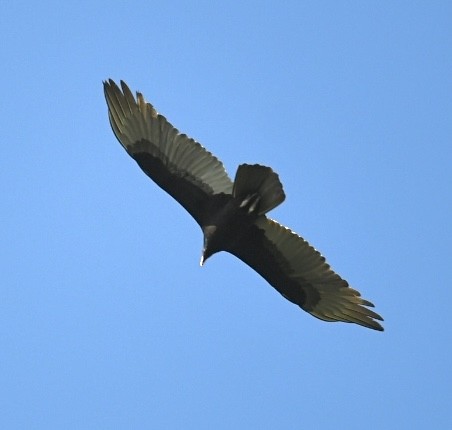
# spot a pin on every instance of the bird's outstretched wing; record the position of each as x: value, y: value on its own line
x: 177, y: 163
x: 301, y: 274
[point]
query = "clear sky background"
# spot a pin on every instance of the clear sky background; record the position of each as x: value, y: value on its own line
x: 107, y: 320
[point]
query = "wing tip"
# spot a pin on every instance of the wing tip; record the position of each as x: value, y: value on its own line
x: 374, y: 325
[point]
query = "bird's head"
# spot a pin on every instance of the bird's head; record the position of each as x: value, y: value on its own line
x: 209, y: 243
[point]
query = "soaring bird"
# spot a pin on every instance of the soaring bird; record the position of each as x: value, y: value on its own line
x: 232, y: 214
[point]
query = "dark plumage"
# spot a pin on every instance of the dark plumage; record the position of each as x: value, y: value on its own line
x: 232, y: 215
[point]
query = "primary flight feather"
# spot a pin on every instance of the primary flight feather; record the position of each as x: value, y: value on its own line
x: 232, y: 215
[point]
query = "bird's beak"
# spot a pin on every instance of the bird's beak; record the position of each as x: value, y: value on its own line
x: 208, y: 232
x: 203, y: 257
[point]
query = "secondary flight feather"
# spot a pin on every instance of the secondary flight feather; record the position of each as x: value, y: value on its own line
x: 232, y: 214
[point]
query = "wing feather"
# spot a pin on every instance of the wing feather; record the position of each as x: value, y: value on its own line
x: 301, y: 274
x: 177, y: 163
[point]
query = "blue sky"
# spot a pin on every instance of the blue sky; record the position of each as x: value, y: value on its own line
x: 107, y: 320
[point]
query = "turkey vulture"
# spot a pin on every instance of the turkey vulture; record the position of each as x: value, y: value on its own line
x: 232, y: 215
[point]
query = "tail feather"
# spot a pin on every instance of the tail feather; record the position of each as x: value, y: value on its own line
x: 258, y: 188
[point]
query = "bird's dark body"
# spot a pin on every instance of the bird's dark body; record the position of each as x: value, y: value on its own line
x: 232, y: 215
x: 234, y: 225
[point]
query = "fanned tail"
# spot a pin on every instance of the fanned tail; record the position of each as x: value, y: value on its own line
x: 257, y: 188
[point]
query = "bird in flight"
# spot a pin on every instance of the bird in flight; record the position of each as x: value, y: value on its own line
x: 232, y: 214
